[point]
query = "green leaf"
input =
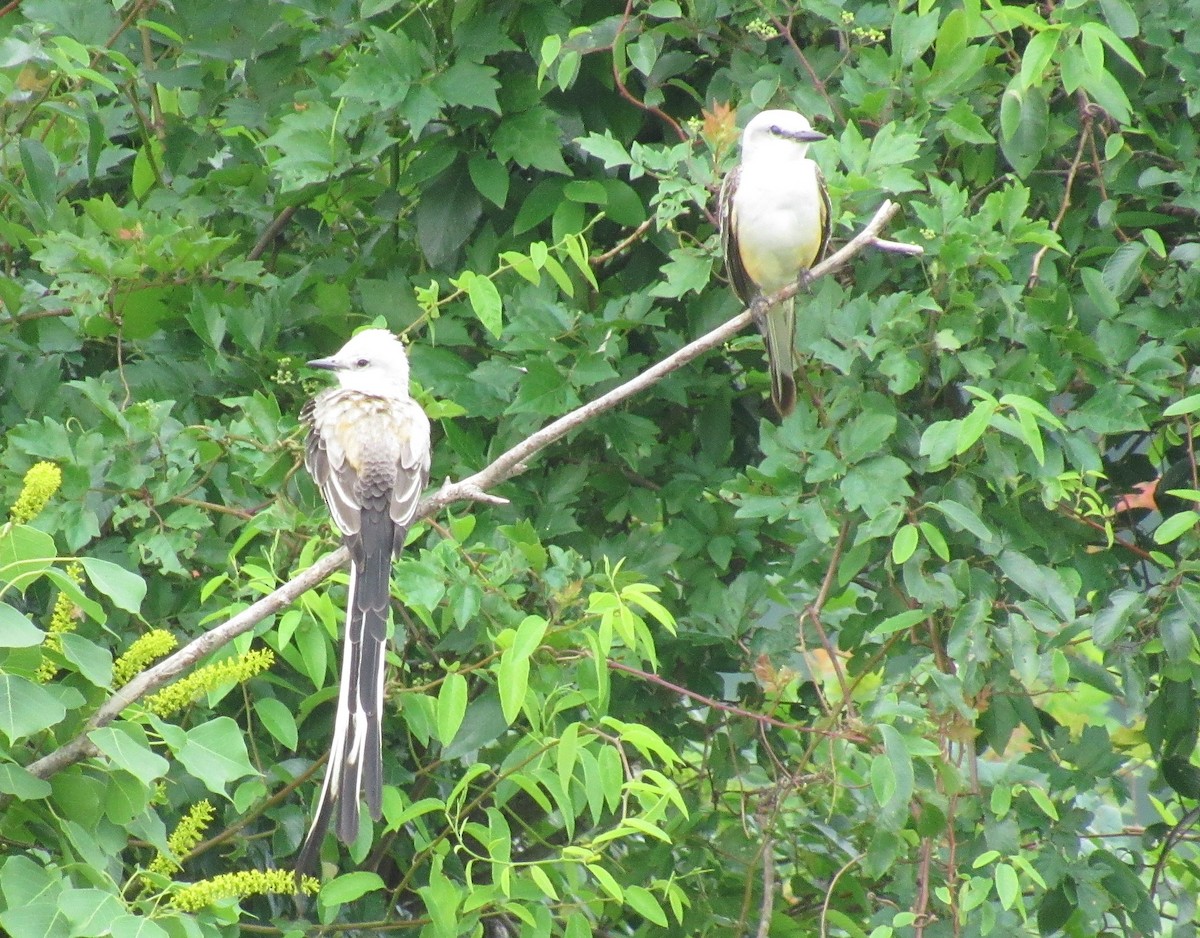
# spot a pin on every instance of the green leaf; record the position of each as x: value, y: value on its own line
x: 94, y: 662
x: 1121, y: 17
x: 607, y: 882
x: 1036, y: 57
x: 512, y: 681
x: 529, y: 636
x: 446, y: 215
x: 40, y: 172
x: 486, y: 302
x: 643, y: 902
x: 1182, y: 776
x: 350, y: 886
x: 490, y: 178
x: 90, y: 910
x: 25, y: 554
x: 1188, y: 405
x: 469, y: 84
x: 26, y: 786
x: 26, y: 708
x: 542, y: 881
x: 1024, y: 122
x: 971, y: 427
x: 16, y: 631
x: 136, y: 926
x: 1123, y: 269
x: 1008, y: 887
x: 964, y: 519
x: 904, y: 544
x: 215, y: 753
x: 126, y: 745
x: 531, y: 140
x: 539, y: 205
x: 125, y: 589
x: 900, y: 621
x: 279, y: 721
x: 1175, y: 526
x: 451, y: 706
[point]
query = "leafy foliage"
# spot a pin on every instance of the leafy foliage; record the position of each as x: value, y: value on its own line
x: 891, y: 667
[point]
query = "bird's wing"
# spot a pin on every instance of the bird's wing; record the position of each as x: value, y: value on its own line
x: 739, y: 279
x: 826, y: 213
x: 412, y: 466
x: 326, y: 459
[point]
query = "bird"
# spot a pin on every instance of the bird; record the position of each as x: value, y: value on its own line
x: 774, y: 217
x: 1155, y: 495
x: 368, y: 450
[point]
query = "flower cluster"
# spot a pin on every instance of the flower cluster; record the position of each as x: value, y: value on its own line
x: 188, y: 832
x: 239, y: 885
x: 209, y: 677
x: 763, y: 29
x: 145, y: 649
x: 62, y: 619
x: 41, y: 482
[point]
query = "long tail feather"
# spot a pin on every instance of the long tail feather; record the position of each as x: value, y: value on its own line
x: 781, y: 359
x: 355, y: 768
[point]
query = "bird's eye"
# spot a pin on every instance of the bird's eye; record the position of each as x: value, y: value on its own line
x: 361, y: 363
x: 776, y: 129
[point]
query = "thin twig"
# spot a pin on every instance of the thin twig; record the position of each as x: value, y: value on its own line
x: 1170, y: 842
x: 760, y: 718
x: 473, y: 488
x: 1084, y: 133
x: 630, y: 96
x: 829, y: 892
x: 271, y: 232
x: 608, y: 255
x: 813, y: 611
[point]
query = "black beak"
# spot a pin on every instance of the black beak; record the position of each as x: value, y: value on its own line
x: 326, y: 364
x: 805, y: 136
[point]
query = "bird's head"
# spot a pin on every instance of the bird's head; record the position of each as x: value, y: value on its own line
x: 373, y: 362
x: 776, y: 131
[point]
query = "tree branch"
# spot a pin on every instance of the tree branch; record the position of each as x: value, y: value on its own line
x: 473, y: 488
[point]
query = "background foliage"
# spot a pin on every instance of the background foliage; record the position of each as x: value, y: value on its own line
x: 891, y: 667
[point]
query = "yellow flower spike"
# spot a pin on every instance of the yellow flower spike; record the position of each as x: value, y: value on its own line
x: 239, y: 885
x: 62, y: 619
x: 41, y: 482
x: 145, y: 650
x: 188, y: 832
x: 207, y: 678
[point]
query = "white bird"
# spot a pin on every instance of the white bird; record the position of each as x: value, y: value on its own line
x: 368, y: 451
x: 774, y: 215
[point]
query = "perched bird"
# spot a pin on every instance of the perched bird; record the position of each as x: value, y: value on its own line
x: 774, y: 216
x: 368, y: 451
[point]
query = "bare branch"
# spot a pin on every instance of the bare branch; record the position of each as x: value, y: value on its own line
x: 473, y: 488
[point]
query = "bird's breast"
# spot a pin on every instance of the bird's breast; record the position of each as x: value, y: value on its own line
x: 780, y: 222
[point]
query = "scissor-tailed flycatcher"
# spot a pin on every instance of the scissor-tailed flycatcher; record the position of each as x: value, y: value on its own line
x: 774, y: 214
x: 368, y: 450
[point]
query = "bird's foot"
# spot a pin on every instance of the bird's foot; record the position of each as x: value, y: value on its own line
x: 805, y: 281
